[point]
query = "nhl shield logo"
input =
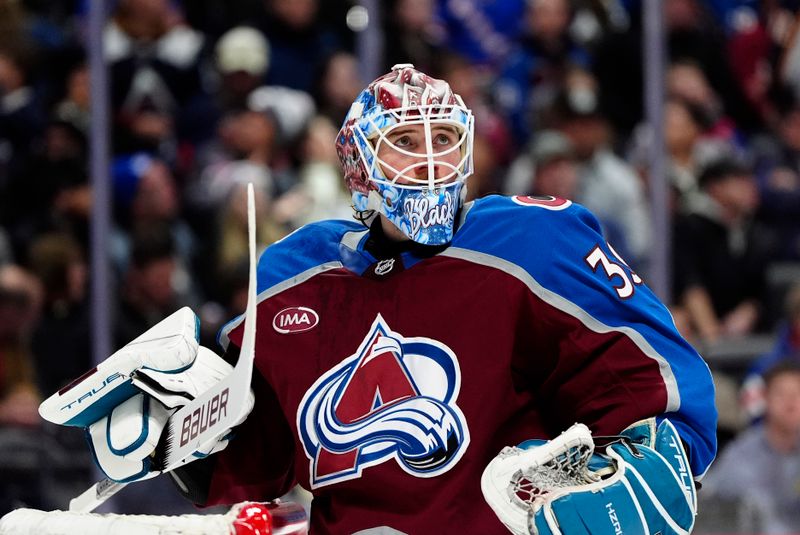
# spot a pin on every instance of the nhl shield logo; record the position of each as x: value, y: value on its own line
x: 393, y: 399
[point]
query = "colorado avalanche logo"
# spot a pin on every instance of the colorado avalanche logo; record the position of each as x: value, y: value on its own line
x: 395, y: 398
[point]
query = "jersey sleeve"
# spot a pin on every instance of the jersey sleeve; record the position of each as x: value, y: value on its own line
x: 599, y: 347
x: 258, y: 464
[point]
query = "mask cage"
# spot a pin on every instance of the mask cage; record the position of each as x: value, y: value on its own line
x: 371, y: 132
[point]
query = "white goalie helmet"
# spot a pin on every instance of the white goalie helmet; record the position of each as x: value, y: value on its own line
x: 406, y: 152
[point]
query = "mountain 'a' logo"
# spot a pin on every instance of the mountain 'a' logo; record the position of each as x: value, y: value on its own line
x: 295, y: 320
x: 393, y: 399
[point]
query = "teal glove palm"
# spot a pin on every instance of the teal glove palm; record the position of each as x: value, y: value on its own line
x: 639, y: 485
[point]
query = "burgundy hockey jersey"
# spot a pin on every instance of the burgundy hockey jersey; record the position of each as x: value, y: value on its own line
x: 385, y: 386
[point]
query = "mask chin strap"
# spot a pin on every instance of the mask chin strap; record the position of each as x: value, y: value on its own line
x: 374, y: 203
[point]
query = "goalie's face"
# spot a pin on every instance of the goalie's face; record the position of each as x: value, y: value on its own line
x: 426, y: 156
x: 424, y: 160
x: 419, y: 173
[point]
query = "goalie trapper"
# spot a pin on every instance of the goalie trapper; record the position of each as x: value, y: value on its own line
x: 638, y: 484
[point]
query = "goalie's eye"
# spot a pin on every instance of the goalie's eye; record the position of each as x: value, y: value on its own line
x: 442, y: 139
x: 445, y: 138
x: 403, y: 142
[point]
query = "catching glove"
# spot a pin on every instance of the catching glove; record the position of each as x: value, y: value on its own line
x: 639, y: 484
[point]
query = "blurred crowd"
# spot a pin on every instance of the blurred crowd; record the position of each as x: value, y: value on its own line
x: 208, y: 96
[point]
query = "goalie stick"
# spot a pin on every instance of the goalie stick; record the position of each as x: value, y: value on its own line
x: 182, y: 438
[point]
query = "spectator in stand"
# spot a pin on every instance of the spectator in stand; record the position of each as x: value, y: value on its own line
x: 778, y: 173
x: 242, y: 57
x: 686, y: 80
x: 20, y: 301
x: 756, y: 38
x: 61, y: 341
x: 74, y: 107
x: 247, y: 151
x: 289, y: 111
x: 557, y: 169
x: 21, y: 115
x: 473, y: 83
x: 148, y: 286
x: 692, y: 34
x: 318, y: 193
x: 535, y: 71
x: 688, y: 150
x: 241, y: 60
x: 145, y: 192
x: 760, y: 467
x: 337, y: 86
x: 549, y: 167
x: 697, y: 128
x: 786, y: 348
x: 300, y: 39
x: 683, y: 129
x: 720, y: 255
x: 415, y: 35
x: 154, y: 60
x: 53, y: 192
x: 20, y: 296
x: 484, y: 32
x: 231, y: 236
x: 243, y: 137
x: 608, y: 185
x: 240, y: 63
x: 146, y: 196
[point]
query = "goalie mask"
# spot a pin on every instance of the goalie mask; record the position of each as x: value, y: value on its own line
x: 406, y: 151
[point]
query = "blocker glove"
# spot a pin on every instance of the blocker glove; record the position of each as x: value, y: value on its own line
x: 124, y: 404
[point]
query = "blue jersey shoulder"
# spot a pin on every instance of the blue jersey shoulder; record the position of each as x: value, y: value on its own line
x: 531, y: 232
x: 310, y: 246
x: 558, y: 249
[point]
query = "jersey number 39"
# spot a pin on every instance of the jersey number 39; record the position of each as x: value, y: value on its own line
x: 616, y: 270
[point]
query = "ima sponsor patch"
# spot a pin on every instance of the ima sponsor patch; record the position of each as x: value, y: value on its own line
x: 295, y: 320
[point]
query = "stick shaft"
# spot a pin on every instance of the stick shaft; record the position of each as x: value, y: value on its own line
x: 95, y: 495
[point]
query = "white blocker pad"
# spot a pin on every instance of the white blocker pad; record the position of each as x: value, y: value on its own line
x: 177, y: 389
x: 169, y: 346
